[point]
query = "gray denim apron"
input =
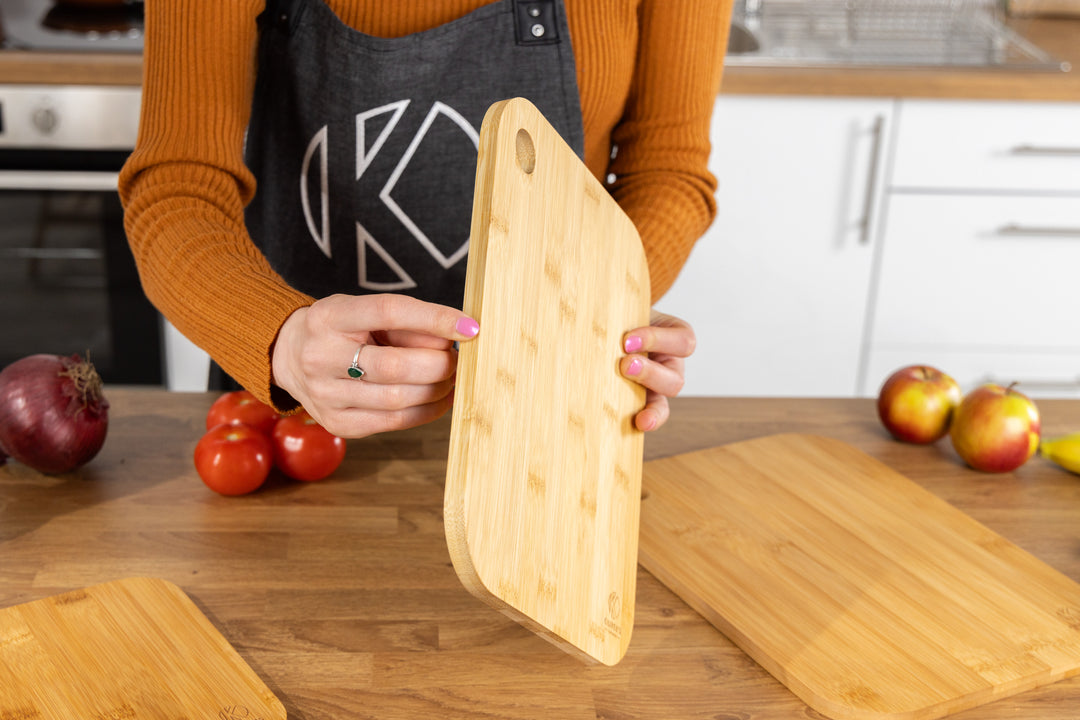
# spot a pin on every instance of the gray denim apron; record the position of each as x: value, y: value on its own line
x: 364, y: 148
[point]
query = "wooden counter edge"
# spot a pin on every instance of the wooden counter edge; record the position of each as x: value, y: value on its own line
x: 20, y: 67
x: 1058, y: 36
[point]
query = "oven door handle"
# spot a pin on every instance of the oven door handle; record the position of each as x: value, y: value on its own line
x: 58, y: 180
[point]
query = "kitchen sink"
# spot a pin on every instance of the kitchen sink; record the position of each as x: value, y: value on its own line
x: 742, y: 41
x: 880, y: 33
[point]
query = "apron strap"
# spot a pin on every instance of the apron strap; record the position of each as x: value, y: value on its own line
x: 279, y: 12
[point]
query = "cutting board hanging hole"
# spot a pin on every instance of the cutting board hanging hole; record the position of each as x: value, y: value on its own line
x: 526, y: 152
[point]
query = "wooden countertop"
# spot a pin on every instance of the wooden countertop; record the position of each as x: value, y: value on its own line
x: 341, y: 595
x: 1060, y: 37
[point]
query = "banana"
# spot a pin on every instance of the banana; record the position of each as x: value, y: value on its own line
x: 1063, y: 451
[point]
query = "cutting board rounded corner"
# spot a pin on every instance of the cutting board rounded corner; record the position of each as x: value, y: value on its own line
x: 466, y: 570
x: 454, y: 527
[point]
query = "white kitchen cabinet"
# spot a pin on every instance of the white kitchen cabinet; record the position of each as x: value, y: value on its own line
x: 980, y: 246
x: 985, y: 146
x: 187, y: 366
x: 778, y: 289
x: 979, y: 271
x: 1038, y: 373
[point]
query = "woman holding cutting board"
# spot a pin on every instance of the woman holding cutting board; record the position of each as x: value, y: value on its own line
x: 299, y: 199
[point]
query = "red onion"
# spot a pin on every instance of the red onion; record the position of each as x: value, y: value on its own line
x: 53, y: 415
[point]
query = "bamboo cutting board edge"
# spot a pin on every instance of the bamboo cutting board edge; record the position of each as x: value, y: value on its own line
x: 133, y: 648
x: 703, y: 587
x: 470, y: 420
x: 454, y: 512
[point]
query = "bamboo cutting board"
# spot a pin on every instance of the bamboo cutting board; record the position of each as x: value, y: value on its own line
x: 544, y: 473
x: 135, y: 649
x: 866, y: 595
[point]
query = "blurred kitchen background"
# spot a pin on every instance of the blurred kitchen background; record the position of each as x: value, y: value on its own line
x: 899, y: 182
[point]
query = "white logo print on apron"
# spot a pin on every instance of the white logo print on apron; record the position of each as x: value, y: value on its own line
x: 365, y: 241
x: 364, y: 148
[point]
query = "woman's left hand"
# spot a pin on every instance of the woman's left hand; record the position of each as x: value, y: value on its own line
x: 655, y: 359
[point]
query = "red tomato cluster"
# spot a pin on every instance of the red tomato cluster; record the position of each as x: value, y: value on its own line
x: 245, y: 439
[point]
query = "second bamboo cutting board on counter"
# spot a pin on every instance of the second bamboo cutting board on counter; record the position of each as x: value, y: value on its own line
x: 866, y: 595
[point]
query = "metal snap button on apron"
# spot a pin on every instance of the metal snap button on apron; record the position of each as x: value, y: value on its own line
x: 536, y: 22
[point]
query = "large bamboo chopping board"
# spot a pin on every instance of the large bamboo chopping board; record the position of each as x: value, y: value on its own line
x: 135, y: 649
x: 544, y: 473
x: 866, y: 595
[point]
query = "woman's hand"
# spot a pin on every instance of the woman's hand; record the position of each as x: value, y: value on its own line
x: 655, y: 359
x: 406, y: 354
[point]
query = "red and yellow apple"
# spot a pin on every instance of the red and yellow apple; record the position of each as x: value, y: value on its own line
x: 996, y: 429
x: 916, y: 404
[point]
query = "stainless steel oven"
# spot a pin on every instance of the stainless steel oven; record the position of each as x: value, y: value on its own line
x: 67, y: 279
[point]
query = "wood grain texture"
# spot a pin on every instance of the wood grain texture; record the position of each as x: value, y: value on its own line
x: 341, y: 596
x: 34, y: 67
x: 133, y: 649
x: 866, y: 595
x: 544, y: 472
x: 1052, y: 8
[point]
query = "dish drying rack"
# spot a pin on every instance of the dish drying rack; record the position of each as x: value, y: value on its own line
x: 927, y: 32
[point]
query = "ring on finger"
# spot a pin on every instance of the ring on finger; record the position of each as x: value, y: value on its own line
x: 355, y: 371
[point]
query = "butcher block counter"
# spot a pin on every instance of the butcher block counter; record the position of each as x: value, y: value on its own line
x: 341, y: 597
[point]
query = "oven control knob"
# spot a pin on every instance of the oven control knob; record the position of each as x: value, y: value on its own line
x: 45, y: 119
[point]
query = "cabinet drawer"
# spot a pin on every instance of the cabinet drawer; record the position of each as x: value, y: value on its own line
x: 982, y: 145
x: 1038, y: 375
x: 979, y: 272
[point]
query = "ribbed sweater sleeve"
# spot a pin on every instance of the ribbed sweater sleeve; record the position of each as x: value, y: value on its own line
x: 661, y: 164
x: 647, y: 70
x: 185, y: 187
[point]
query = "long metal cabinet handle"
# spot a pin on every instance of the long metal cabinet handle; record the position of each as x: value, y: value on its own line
x: 1044, y: 150
x: 871, y: 180
x: 1013, y: 229
x: 1072, y: 384
x: 58, y: 180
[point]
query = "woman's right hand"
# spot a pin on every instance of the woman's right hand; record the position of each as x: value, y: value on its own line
x: 406, y: 353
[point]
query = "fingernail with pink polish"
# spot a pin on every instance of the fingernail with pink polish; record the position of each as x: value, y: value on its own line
x: 467, y: 326
x: 633, y: 344
x: 635, y: 366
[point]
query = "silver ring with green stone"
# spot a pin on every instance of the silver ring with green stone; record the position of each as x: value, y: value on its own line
x: 355, y: 371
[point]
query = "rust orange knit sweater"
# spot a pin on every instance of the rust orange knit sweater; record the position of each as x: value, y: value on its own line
x: 648, y: 72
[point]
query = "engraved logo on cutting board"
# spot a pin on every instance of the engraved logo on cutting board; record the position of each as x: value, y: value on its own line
x: 237, y: 712
x: 613, y: 620
x: 373, y: 128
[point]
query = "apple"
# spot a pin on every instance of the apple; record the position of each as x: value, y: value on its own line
x: 996, y: 429
x: 916, y: 404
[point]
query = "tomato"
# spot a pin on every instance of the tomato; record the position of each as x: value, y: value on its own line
x: 240, y: 406
x: 234, y: 459
x: 304, y: 449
